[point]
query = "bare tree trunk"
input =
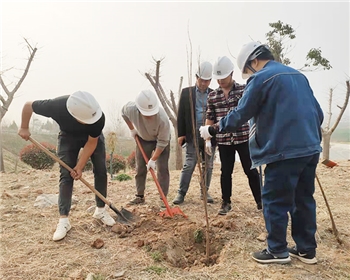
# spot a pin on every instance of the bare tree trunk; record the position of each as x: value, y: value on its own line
x: 326, y: 144
x: 178, y: 152
x: 170, y: 108
x: 327, y: 131
x: 2, y: 166
x: 7, y: 100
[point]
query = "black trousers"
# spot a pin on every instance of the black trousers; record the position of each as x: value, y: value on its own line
x: 227, y: 157
x: 68, y: 148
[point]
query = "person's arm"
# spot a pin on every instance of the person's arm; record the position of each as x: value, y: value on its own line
x: 125, y: 116
x: 129, y: 123
x: 210, y: 116
x: 181, y: 140
x: 163, y: 139
x: 248, y: 106
x: 156, y: 153
x: 27, y: 112
x: 87, y: 151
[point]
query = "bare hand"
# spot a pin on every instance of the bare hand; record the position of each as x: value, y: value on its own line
x: 24, y: 133
x: 76, y: 173
x: 181, y: 140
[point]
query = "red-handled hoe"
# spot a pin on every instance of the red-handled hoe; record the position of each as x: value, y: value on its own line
x: 169, y: 212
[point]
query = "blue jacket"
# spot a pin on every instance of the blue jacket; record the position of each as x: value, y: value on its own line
x: 285, y: 117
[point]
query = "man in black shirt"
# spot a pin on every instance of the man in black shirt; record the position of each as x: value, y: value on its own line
x: 81, y: 121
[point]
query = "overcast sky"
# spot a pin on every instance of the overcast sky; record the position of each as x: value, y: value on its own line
x: 106, y: 47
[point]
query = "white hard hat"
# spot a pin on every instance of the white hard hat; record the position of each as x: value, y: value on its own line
x: 248, y: 52
x: 223, y: 67
x: 84, y: 107
x: 147, y: 103
x: 205, y: 70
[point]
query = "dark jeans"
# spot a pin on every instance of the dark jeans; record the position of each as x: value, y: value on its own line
x: 161, y: 166
x: 68, y: 148
x: 289, y: 187
x: 227, y: 157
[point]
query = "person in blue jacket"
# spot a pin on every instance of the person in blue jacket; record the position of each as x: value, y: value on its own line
x: 285, y: 135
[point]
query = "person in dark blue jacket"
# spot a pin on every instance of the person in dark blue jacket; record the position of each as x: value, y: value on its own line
x: 285, y: 135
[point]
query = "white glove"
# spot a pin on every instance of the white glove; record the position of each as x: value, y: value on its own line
x: 208, y: 148
x: 204, y: 132
x: 151, y: 164
x: 133, y: 133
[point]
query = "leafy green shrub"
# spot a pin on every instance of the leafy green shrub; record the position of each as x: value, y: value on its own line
x: 37, y: 158
x: 123, y: 177
x: 131, y: 160
x: 198, y: 236
x: 118, y: 163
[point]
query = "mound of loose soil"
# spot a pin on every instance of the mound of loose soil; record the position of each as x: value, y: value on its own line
x: 156, y: 246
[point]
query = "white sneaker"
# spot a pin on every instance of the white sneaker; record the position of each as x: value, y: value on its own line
x: 104, y: 217
x: 63, y: 227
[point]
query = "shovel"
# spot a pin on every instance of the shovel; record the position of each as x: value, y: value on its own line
x: 124, y: 216
x: 169, y: 212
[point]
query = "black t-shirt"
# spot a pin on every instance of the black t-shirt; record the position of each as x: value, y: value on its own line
x: 57, y: 110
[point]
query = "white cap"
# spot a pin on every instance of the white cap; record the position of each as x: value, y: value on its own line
x: 223, y: 67
x: 205, y: 70
x: 84, y: 107
x: 147, y: 103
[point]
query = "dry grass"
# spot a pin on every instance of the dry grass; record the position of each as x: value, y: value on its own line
x: 156, y: 247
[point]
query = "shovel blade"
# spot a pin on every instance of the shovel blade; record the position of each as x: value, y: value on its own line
x: 124, y: 216
x: 127, y: 214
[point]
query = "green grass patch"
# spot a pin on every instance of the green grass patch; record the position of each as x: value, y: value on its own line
x: 157, y: 256
x: 122, y: 177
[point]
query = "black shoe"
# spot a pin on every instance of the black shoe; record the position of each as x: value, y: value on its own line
x: 259, y: 206
x: 179, y: 199
x: 308, y: 258
x: 265, y: 257
x: 137, y: 200
x: 225, y: 208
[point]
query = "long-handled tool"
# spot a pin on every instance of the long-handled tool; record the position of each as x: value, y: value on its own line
x: 169, y: 212
x: 124, y: 216
x: 329, y: 164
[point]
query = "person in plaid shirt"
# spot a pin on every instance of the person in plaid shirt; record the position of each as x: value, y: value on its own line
x: 220, y: 102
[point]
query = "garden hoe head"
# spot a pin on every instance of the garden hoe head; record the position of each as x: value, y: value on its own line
x: 329, y: 163
x: 169, y: 212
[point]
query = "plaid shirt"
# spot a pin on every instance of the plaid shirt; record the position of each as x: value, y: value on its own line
x: 218, y: 107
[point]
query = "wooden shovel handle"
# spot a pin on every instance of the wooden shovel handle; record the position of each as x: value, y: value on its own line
x: 57, y: 159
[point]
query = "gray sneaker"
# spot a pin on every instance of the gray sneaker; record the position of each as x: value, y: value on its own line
x: 179, y: 199
x: 225, y: 208
x: 137, y: 200
x: 209, y: 198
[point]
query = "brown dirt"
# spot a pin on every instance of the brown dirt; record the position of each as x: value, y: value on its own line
x: 158, y: 247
